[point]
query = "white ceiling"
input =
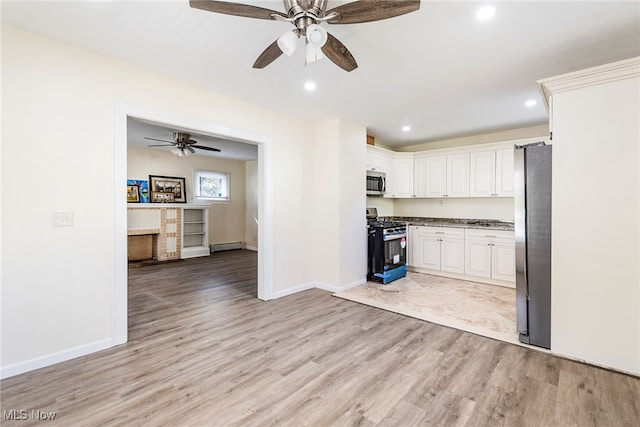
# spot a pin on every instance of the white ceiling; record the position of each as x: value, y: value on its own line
x: 139, y: 130
x: 438, y: 70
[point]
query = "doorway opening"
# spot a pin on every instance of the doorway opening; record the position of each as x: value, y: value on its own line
x: 123, y: 112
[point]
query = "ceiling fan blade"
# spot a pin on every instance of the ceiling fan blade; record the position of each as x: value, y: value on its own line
x: 269, y: 55
x: 161, y: 145
x: 339, y: 54
x: 372, y: 10
x: 236, y: 9
x: 161, y: 140
x: 204, y: 147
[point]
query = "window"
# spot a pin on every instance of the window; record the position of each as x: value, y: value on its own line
x: 208, y: 185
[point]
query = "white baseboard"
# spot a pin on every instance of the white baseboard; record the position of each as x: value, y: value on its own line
x: 333, y: 288
x: 294, y: 290
x: 252, y: 248
x: 52, y: 359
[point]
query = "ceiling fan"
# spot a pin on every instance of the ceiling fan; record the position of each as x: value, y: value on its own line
x: 306, y: 16
x: 182, y: 143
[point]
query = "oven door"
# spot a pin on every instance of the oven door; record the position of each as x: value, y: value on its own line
x: 395, y: 251
x: 385, y: 252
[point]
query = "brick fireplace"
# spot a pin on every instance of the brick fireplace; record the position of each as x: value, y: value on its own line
x: 153, y: 233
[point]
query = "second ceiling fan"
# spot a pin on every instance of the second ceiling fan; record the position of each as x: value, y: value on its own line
x: 306, y: 16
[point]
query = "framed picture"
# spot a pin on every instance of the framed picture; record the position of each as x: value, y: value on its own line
x: 133, y: 194
x: 167, y: 185
x: 157, y: 197
x: 143, y: 189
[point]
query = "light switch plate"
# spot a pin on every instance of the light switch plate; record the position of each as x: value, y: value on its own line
x: 62, y: 219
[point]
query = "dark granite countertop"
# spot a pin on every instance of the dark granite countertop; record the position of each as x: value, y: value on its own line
x: 485, y: 224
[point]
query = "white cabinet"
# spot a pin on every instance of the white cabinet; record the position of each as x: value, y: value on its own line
x: 491, y: 173
x: 438, y: 248
x: 482, y: 171
x: 402, y: 178
x: 195, y: 232
x: 490, y: 254
x: 447, y: 176
x: 458, y: 175
x: 436, y: 175
x: 379, y: 160
x: 504, y: 173
x: 420, y: 177
x: 412, y: 249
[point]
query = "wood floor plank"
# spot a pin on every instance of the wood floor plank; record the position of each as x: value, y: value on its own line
x: 203, y: 351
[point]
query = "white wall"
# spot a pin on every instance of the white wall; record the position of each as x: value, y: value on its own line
x: 596, y: 224
x: 59, y: 101
x: 251, y: 205
x: 339, y: 235
x: 383, y: 205
x: 226, y: 219
x: 500, y: 208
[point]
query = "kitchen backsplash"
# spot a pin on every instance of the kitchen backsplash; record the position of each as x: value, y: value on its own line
x: 481, y: 208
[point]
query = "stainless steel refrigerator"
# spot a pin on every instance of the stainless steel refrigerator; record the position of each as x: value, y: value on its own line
x: 532, y: 166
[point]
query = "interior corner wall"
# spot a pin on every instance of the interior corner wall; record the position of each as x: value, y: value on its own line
x: 60, y: 101
x: 595, y: 309
x: 226, y: 219
x: 340, y: 193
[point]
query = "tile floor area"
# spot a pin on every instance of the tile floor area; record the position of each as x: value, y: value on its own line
x: 474, y: 307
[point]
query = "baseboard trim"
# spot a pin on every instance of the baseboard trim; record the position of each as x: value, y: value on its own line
x: 52, y: 359
x: 294, y: 290
x: 252, y: 248
x: 333, y: 288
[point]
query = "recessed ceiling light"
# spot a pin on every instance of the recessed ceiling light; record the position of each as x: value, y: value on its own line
x: 485, y: 13
x: 406, y: 128
x: 310, y: 86
x: 530, y: 103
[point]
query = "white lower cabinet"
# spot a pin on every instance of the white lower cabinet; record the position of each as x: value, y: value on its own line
x: 486, y: 256
x: 490, y: 254
x: 438, y: 248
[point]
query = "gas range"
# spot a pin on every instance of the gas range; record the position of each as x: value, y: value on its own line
x: 387, y: 252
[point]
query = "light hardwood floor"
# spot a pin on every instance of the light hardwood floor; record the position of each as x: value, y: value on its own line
x: 203, y: 351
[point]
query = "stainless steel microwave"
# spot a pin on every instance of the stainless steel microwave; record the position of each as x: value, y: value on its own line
x: 376, y: 183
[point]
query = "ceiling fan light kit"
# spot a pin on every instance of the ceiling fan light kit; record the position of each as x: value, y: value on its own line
x: 306, y: 16
x: 287, y: 43
x: 183, y: 145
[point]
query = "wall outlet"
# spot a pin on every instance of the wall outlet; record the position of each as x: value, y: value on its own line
x: 62, y: 219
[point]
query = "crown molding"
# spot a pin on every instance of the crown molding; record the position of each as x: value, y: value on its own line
x: 591, y: 76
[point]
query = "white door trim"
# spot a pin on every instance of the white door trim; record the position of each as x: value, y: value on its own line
x: 265, y: 201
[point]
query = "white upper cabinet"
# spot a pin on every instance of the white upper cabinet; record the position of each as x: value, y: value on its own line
x: 402, y: 177
x: 420, y: 177
x: 458, y: 175
x: 504, y: 173
x: 436, y: 173
x: 447, y: 176
x: 469, y: 171
x: 491, y: 173
x: 379, y: 160
x: 482, y: 169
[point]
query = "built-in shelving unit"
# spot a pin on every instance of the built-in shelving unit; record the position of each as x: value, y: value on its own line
x: 195, y: 235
